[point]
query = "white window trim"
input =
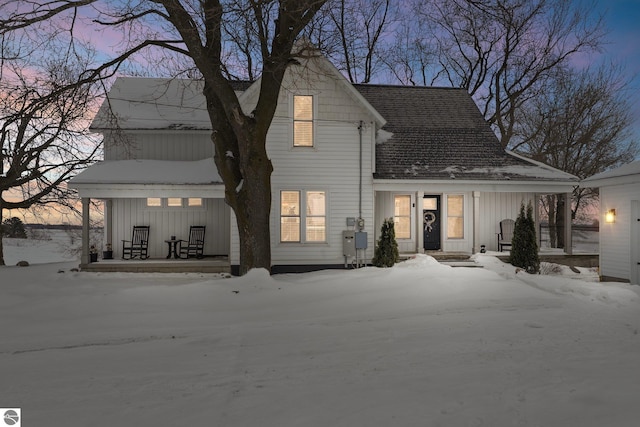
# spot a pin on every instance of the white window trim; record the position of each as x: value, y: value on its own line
x: 445, y: 214
x: 303, y: 217
x: 411, y: 215
x: 164, y: 206
x: 314, y: 121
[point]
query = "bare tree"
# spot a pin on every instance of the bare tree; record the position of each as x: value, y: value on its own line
x: 43, y: 138
x: 196, y: 30
x: 503, y: 51
x: 581, y: 125
x: 355, y: 35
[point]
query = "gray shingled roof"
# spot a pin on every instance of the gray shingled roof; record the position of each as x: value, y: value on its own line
x: 439, y: 133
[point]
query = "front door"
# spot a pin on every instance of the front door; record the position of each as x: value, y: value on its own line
x: 431, y: 222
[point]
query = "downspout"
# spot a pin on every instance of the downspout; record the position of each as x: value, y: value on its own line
x: 360, y: 127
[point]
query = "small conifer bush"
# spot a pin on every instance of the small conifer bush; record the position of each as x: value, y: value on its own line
x: 386, y: 253
x: 524, y: 246
x: 13, y: 227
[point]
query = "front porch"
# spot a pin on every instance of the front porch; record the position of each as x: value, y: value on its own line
x: 160, y: 265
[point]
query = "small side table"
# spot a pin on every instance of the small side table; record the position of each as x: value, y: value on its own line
x: 173, y: 248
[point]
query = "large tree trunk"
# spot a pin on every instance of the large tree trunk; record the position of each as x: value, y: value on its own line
x: 252, y: 207
x: 242, y: 161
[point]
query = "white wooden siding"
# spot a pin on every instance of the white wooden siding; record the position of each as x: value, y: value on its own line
x: 615, y: 240
x: 167, y: 222
x: 332, y: 165
x: 165, y: 145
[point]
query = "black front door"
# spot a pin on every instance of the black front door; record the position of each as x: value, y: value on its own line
x: 431, y: 222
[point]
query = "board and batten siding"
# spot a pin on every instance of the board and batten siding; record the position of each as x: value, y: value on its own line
x: 616, y: 254
x: 180, y: 145
x: 166, y: 222
x: 385, y: 208
x: 494, y: 207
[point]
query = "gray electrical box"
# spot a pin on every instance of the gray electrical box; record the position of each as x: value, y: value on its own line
x: 349, y: 243
x: 361, y: 240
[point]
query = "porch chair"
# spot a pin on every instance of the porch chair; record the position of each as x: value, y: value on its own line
x: 138, y: 245
x: 506, y: 233
x: 195, y: 246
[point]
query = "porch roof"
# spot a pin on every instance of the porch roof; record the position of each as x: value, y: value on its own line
x: 439, y: 134
x: 150, y: 178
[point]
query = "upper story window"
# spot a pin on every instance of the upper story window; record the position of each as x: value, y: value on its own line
x: 303, y: 121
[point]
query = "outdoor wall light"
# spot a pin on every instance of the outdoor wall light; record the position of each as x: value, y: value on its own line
x: 610, y: 216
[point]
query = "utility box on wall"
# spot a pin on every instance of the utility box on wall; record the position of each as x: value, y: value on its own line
x: 361, y: 240
x: 349, y: 243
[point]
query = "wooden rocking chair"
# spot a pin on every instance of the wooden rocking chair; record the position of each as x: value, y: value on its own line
x: 506, y: 233
x: 195, y: 246
x: 138, y: 245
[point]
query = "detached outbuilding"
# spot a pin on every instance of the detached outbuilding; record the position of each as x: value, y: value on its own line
x: 619, y: 222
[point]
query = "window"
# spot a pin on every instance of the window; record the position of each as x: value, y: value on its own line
x: 402, y: 216
x: 293, y: 215
x: 154, y: 202
x: 174, y: 202
x: 316, y: 217
x: 290, y: 216
x: 302, y: 121
x: 455, y: 217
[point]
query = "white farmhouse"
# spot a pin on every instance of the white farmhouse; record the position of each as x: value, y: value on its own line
x: 345, y: 158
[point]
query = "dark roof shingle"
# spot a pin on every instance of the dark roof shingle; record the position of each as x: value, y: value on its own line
x: 439, y: 133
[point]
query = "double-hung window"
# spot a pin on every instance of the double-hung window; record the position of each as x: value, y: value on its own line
x: 303, y: 121
x: 402, y: 216
x: 303, y: 216
x: 455, y: 216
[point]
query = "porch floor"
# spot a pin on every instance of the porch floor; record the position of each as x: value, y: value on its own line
x: 558, y: 256
x: 160, y: 265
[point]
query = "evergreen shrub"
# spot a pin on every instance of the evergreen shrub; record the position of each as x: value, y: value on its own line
x: 524, y: 246
x: 386, y: 253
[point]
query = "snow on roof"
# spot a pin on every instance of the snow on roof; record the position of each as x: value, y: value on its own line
x: 150, y: 172
x: 155, y: 103
x: 632, y: 168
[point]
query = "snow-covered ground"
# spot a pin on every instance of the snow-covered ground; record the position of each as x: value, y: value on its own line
x: 419, y: 344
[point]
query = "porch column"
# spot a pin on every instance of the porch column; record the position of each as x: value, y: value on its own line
x: 419, y: 229
x: 84, y: 258
x: 108, y: 221
x: 568, y: 244
x: 476, y: 222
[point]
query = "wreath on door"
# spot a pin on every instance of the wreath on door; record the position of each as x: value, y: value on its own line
x: 429, y: 218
